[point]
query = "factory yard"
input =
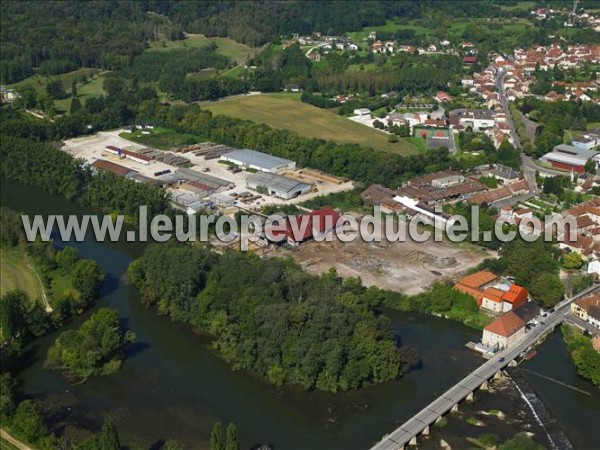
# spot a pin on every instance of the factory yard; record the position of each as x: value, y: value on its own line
x: 406, y: 267
x: 93, y: 148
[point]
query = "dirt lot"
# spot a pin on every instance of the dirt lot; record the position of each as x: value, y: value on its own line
x: 407, y: 267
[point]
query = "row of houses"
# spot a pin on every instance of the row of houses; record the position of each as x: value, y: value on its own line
x: 445, y: 187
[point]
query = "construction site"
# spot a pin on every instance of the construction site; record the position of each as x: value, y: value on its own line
x: 408, y: 267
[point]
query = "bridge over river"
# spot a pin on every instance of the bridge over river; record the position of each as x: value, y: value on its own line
x: 406, y: 434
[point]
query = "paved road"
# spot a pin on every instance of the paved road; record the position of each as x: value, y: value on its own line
x: 444, y: 403
x: 529, y: 167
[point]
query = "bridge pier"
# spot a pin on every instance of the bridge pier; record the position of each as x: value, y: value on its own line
x: 439, y: 419
x: 425, y: 431
x: 413, y: 442
x: 454, y: 408
x: 498, y: 375
x: 470, y: 397
x: 484, y: 386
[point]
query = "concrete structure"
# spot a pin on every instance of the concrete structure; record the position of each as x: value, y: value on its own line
x: 362, y: 112
x: 586, y: 141
x: 406, y: 434
x: 111, y: 167
x: 569, y: 157
x: 277, y: 185
x: 251, y: 159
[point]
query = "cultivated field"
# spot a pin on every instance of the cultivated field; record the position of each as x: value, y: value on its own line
x: 17, y: 273
x: 286, y: 111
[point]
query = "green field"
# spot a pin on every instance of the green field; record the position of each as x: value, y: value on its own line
x: 163, y: 138
x: 286, y: 111
x: 93, y: 87
x: 17, y: 273
x: 39, y: 82
x: 237, y: 52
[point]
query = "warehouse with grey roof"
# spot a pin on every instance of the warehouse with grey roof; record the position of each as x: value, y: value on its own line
x: 277, y: 185
x: 251, y: 159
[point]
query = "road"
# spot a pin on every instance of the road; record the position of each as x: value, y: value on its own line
x: 444, y: 403
x: 526, y: 162
x: 7, y: 437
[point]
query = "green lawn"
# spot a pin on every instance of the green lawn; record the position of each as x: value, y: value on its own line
x: 286, y: 111
x: 225, y: 46
x: 17, y: 273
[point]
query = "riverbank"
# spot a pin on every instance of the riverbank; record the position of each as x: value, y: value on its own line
x: 173, y: 382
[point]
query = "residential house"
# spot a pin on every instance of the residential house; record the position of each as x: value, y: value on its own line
x: 588, y: 309
x: 505, y: 331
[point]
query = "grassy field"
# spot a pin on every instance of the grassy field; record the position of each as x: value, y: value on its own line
x: 163, y: 138
x: 17, y: 273
x: 91, y: 88
x: 286, y: 111
x: 225, y: 46
x: 39, y: 82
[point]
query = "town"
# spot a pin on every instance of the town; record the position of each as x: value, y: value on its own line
x: 473, y: 124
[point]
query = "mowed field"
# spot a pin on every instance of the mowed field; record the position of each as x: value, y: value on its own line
x: 286, y: 111
x: 234, y: 50
x: 17, y: 273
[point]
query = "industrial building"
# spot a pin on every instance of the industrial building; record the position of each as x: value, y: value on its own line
x: 277, y: 185
x: 251, y: 159
x: 108, y: 166
x: 569, y: 157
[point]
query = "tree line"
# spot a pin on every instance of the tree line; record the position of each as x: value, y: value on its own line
x: 271, y: 318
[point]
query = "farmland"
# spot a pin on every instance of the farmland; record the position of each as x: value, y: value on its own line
x: 286, y: 111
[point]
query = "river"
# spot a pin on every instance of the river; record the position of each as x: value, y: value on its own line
x: 172, y: 387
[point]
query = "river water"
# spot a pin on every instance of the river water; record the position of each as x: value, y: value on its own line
x: 172, y: 387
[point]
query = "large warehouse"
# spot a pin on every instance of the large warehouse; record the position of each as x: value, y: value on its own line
x: 569, y: 157
x: 277, y: 185
x: 251, y: 159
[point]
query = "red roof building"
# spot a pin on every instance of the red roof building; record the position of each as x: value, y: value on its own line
x: 301, y: 228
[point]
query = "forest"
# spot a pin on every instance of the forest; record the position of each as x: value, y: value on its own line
x: 270, y: 318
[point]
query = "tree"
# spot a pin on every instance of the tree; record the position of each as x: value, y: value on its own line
x: 217, y: 437
x: 27, y: 423
x: 109, y: 439
x: 232, y: 442
x: 573, y: 261
x: 521, y: 441
x: 87, y: 277
x: 392, y: 139
x: 7, y: 396
x: 75, y: 102
x: 590, y: 166
x: 95, y: 348
x: 547, y: 289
